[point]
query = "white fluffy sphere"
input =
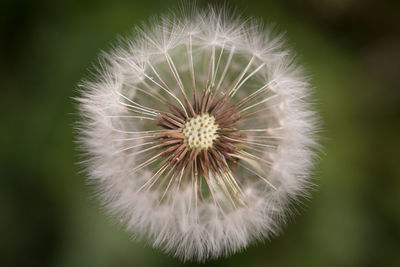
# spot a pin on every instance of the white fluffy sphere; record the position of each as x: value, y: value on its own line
x: 198, y: 133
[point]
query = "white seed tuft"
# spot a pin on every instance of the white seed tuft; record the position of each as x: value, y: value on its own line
x: 198, y: 133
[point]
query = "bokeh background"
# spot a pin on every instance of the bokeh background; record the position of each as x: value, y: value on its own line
x: 49, y: 216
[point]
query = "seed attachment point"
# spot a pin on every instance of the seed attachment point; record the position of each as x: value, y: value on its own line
x: 201, y: 131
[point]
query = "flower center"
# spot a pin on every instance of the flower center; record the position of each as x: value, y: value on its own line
x: 201, y: 131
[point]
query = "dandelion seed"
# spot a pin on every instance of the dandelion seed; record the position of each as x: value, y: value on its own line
x: 198, y: 133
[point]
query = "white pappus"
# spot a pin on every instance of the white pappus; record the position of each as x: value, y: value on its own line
x: 198, y: 133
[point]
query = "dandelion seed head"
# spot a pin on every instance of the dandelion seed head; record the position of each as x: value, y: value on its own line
x: 198, y: 133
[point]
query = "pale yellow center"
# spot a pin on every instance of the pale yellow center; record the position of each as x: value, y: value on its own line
x: 201, y: 131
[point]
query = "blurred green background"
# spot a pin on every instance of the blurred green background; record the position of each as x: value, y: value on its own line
x: 49, y: 216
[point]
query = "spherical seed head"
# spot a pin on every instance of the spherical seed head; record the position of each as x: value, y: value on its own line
x: 201, y: 131
x: 198, y: 133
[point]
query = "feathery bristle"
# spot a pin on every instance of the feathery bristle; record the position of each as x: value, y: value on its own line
x: 198, y: 133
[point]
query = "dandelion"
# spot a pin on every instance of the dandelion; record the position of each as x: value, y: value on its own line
x: 198, y: 133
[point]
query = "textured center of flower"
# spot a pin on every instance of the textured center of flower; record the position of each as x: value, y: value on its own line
x: 201, y: 131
